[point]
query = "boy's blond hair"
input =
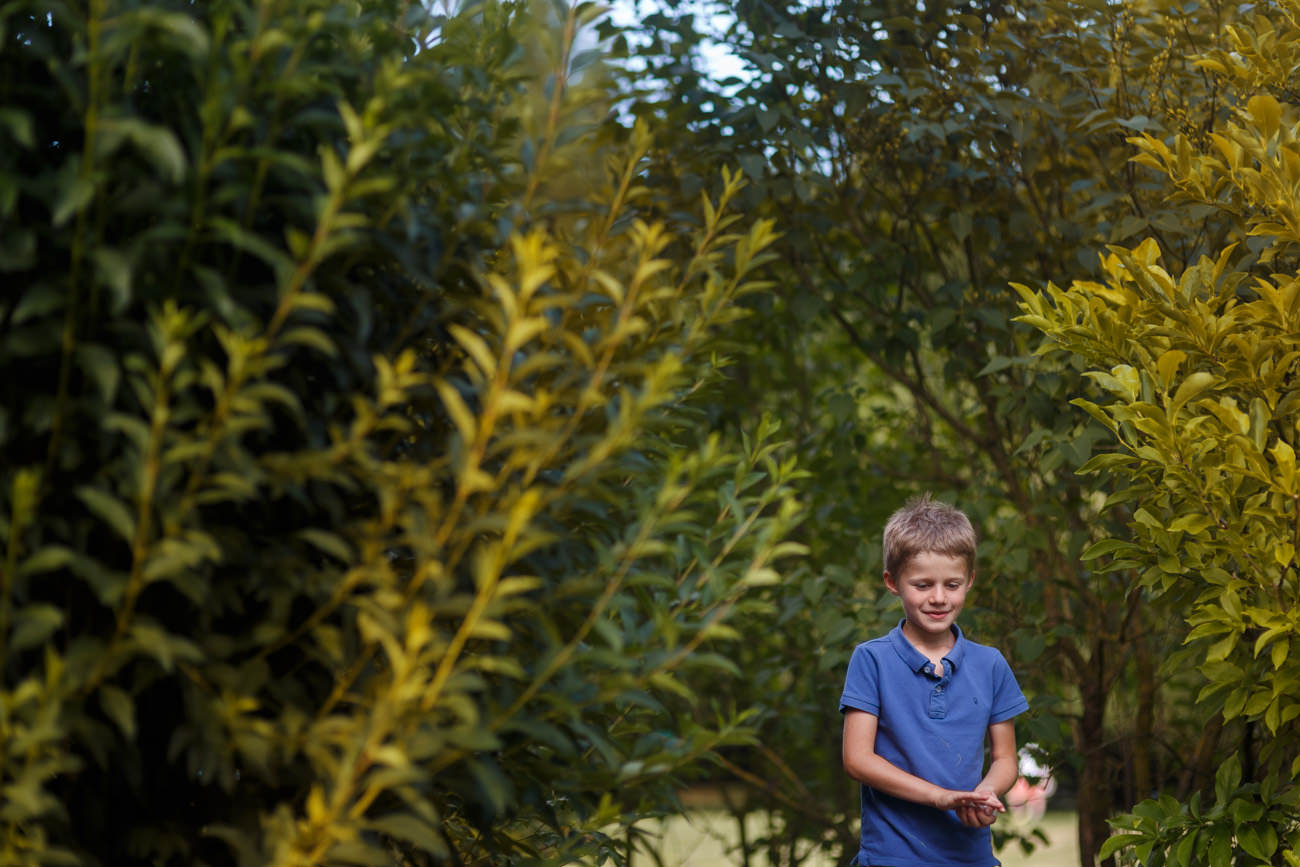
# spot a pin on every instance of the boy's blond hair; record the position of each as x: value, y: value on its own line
x: 925, y: 525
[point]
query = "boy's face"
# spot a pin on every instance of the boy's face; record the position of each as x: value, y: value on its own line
x: 933, y: 590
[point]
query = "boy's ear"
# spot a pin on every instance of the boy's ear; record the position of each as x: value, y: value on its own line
x: 890, y: 583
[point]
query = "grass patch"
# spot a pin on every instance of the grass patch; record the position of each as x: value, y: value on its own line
x: 708, y: 837
x: 1062, y: 851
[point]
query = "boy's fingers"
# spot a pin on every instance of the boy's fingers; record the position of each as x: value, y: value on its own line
x: 983, y: 799
x: 976, y: 815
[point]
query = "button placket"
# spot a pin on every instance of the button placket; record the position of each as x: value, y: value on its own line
x: 938, y: 697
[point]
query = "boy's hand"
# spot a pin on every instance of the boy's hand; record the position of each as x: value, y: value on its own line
x: 978, y: 809
x: 977, y: 817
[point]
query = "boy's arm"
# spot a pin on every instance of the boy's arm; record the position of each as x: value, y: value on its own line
x: 864, y: 765
x: 1004, y: 768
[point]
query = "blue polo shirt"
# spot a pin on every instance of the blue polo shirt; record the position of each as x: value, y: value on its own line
x: 933, y: 727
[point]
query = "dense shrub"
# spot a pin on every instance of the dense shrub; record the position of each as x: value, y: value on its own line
x: 354, y: 507
x: 1197, y: 371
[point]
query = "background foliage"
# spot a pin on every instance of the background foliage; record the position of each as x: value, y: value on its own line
x: 918, y: 160
x: 402, y: 446
x: 355, y: 506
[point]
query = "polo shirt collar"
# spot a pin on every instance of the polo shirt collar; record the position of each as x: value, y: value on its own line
x: 915, y: 660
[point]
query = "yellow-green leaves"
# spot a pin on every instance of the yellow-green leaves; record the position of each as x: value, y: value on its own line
x: 563, y: 506
x: 1193, y: 395
x: 1266, y: 112
x: 1167, y: 366
x: 1216, y: 500
x: 1190, y: 387
x: 1253, y: 162
x: 1284, y: 460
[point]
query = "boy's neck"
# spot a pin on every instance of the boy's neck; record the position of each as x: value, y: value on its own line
x: 933, y: 647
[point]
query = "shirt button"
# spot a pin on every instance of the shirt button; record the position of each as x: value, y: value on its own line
x: 938, y: 689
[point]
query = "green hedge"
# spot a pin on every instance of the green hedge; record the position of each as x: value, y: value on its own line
x: 354, y: 505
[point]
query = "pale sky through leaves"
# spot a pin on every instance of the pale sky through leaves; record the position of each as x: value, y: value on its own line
x: 719, y: 58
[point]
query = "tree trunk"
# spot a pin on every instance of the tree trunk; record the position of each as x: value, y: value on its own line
x: 1094, y: 806
x: 1144, y: 727
x: 1200, y: 770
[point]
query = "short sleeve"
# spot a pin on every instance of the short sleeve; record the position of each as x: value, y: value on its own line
x: 862, y: 683
x: 1008, y: 700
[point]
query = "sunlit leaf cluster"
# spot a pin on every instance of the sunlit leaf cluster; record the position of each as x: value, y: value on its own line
x: 1197, y: 370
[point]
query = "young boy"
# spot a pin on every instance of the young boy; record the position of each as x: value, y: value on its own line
x: 918, y: 703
